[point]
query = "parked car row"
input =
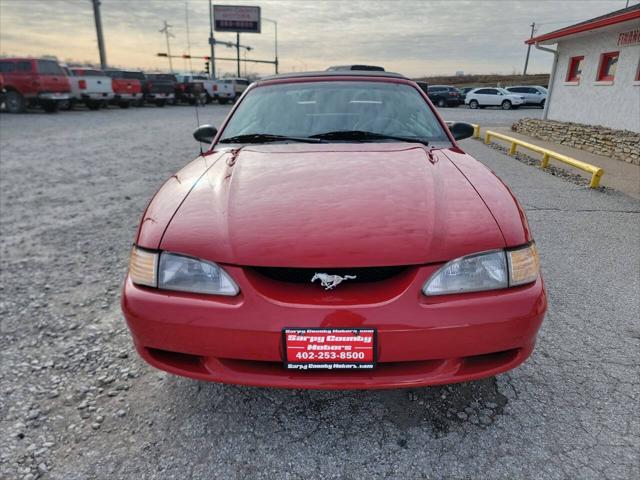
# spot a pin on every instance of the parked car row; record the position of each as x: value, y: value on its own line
x: 505, y: 98
x: 32, y: 82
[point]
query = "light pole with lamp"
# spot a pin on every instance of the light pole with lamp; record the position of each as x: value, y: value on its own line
x: 276, y: 45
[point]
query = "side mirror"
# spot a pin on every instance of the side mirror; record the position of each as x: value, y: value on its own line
x: 460, y: 130
x: 205, y: 133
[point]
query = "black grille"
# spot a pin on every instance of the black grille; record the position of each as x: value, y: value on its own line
x: 304, y: 275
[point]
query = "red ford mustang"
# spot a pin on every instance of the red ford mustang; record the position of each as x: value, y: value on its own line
x: 334, y: 236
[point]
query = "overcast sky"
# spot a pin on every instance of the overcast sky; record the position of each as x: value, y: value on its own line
x: 412, y: 37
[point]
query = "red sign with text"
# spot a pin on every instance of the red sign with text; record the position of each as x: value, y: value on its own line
x: 329, y: 348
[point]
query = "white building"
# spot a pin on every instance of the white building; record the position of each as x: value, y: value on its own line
x: 595, y: 79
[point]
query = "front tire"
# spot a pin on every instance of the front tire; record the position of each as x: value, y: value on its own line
x: 14, y: 102
x: 442, y: 103
x: 474, y: 104
x: 506, y: 105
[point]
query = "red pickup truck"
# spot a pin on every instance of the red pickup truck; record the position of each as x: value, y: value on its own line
x: 33, y: 82
x: 126, y: 89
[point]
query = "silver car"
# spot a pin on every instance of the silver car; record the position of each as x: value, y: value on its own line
x: 533, y: 94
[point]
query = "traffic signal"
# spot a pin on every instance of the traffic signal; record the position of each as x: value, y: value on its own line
x: 206, y: 67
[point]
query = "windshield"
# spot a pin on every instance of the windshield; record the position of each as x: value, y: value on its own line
x: 314, y: 108
x: 505, y: 91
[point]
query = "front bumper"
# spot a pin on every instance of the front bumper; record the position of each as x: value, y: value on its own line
x: 54, y: 96
x: 126, y: 96
x: 97, y: 96
x: 160, y: 96
x: 421, y: 341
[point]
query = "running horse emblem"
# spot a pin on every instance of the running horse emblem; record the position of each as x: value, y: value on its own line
x: 329, y: 282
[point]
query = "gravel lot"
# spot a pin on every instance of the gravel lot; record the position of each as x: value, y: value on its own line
x: 77, y: 403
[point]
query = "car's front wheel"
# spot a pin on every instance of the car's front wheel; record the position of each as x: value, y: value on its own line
x: 14, y: 102
x: 474, y: 104
x: 442, y: 103
x: 506, y: 105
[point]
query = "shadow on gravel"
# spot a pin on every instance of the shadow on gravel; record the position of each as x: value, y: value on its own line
x: 436, y: 409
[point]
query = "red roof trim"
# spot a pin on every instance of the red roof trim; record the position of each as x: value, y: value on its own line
x: 585, y: 27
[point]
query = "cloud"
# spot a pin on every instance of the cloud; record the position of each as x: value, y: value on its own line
x: 412, y: 37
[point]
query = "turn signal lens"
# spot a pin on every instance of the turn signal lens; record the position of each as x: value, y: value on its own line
x: 524, y: 265
x: 143, y: 267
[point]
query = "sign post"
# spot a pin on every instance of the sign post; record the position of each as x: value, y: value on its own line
x: 236, y: 18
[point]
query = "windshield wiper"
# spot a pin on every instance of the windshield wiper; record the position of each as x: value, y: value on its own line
x: 361, y: 135
x: 268, y: 137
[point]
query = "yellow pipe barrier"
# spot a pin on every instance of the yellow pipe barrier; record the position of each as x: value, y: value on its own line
x: 596, y: 172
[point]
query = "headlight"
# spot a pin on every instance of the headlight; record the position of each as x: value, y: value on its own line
x: 485, y: 271
x: 177, y: 272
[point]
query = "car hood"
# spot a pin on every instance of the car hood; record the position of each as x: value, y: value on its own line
x: 332, y: 205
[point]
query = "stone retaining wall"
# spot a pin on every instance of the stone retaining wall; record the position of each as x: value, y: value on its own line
x: 619, y: 144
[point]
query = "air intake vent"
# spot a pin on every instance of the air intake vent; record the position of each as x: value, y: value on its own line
x: 304, y: 275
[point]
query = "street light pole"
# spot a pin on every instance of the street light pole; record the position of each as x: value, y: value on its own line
x: 168, y: 34
x: 212, y: 43
x: 98, y: 20
x: 238, y: 50
x: 526, y: 61
x: 276, y: 45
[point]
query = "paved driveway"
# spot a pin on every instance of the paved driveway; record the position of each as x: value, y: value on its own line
x: 77, y: 403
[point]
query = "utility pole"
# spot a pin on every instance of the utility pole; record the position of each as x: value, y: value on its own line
x: 212, y: 42
x: 168, y: 34
x: 96, y: 16
x: 238, y: 50
x: 526, y: 61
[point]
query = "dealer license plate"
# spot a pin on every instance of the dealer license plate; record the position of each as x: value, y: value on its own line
x: 329, y: 348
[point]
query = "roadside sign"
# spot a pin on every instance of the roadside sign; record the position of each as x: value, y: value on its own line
x: 235, y: 18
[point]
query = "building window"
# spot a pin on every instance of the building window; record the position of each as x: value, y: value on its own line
x: 575, y: 69
x: 608, y: 65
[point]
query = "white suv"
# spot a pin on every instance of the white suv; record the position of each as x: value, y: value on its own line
x: 493, y: 97
x: 533, y: 94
